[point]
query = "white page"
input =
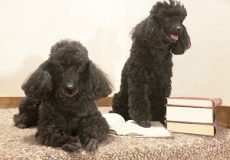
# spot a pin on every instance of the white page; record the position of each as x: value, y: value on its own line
x: 115, y: 121
x: 156, y: 129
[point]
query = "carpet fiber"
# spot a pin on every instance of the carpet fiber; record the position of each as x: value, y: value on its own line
x: 20, y: 144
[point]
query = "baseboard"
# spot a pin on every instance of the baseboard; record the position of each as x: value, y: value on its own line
x: 222, y: 112
x: 12, y: 102
x: 223, y: 116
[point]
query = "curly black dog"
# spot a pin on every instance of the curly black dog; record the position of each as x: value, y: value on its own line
x: 60, y: 97
x: 146, y: 76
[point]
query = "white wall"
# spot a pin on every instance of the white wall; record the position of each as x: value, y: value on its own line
x: 29, y: 28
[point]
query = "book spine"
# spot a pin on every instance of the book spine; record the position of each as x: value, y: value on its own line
x: 188, y: 106
x: 215, y: 123
x: 216, y: 102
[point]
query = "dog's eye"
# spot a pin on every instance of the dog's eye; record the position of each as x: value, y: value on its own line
x: 61, y: 67
x: 80, y: 68
x: 167, y: 19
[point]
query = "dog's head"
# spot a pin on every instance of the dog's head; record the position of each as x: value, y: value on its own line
x: 168, y: 18
x: 68, y: 60
x: 74, y: 74
x: 165, y: 24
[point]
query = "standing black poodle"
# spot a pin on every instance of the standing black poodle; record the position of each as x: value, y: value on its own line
x: 146, y: 76
x: 60, y: 98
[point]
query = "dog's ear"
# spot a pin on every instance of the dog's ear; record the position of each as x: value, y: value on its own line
x: 96, y: 82
x: 182, y: 44
x: 38, y: 85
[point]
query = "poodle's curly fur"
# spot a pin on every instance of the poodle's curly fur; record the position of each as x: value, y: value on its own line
x: 60, y: 97
x: 146, y: 76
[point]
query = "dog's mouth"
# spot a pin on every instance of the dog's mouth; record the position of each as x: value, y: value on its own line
x: 171, y: 37
x: 69, y: 92
x: 174, y: 37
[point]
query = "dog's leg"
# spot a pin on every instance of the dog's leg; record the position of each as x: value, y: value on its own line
x: 53, y: 129
x: 158, y: 109
x: 120, y: 99
x: 56, y: 137
x: 28, y: 113
x: 139, y: 103
x: 120, y: 105
x: 93, y: 130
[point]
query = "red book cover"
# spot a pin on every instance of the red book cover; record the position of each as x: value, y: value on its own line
x: 194, y: 102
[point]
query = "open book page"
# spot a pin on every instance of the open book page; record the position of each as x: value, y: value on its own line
x: 156, y: 130
x: 115, y: 121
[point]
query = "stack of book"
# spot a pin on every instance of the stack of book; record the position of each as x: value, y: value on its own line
x: 192, y: 115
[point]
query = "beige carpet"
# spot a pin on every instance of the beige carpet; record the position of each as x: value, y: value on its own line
x: 20, y: 144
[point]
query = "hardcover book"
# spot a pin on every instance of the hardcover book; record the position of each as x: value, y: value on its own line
x: 194, y: 102
x: 190, y: 114
x: 120, y: 127
x: 193, y: 128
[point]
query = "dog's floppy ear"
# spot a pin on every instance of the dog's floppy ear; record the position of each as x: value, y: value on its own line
x: 182, y: 44
x: 96, y: 82
x: 38, y: 85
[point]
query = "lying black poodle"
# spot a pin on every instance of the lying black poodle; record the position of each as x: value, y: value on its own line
x: 146, y: 76
x: 60, y: 97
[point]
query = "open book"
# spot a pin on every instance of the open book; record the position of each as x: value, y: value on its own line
x: 119, y: 126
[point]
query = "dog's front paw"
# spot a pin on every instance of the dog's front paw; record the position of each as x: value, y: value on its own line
x: 92, y: 145
x: 22, y: 125
x: 145, y: 124
x: 71, y: 147
x: 19, y: 121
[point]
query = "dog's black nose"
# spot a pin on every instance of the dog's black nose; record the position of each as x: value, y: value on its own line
x: 179, y: 29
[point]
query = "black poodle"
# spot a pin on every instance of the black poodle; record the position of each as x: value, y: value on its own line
x: 60, y: 97
x: 146, y: 76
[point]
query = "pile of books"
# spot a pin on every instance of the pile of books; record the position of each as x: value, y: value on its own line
x: 192, y: 115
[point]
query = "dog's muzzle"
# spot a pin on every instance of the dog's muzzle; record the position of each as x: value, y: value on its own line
x: 69, y: 90
x: 176, y: 31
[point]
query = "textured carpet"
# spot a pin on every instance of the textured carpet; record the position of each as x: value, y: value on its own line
x: 20, y: 144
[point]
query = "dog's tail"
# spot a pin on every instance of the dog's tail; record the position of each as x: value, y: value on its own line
x: 120, y: 105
